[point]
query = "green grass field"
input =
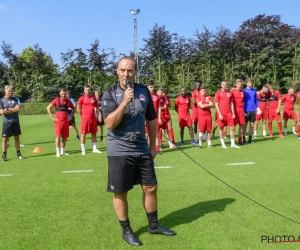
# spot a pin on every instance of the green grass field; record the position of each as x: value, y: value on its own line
x: 43, y: 208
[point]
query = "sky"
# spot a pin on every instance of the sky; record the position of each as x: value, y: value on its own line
x: 59, y: 25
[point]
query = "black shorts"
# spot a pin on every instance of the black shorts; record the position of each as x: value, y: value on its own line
x: 100, y: 123
x: 10, y: 129
x: 126, y: 171
x: 250, y: 116
x: 72, y: 122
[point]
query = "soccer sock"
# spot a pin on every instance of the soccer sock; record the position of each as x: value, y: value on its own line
x: 196, y: 137
x: 94, y: 145
x: 57, y: 151
x: 244, y: 138
x: 222, y: 141
x: 159, y: 134
x: 152, y: 220
x: 298, y: 130
x: 264, y: 132
x: 250, y: 138
x: 171, y: 134
x: 101, y: 137
x: 240, y: 139
x: 82, y: 147
x: 18, y: 153
x: 232, y: 142
x: 255, y: 133
x: 62, y: 150
x: 224, y: 133
x: 285, y: 131
x: 280, y: 127
x: 125, y: 224
x: 200, y: 143
x: 209, y: 142
x: 157, y: 148
x: 4, y: 153
x: 270, y: 127
x: 294, y: 129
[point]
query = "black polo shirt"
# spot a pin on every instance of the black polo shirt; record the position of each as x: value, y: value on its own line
x: 9, y: 103
x: 133, y: 121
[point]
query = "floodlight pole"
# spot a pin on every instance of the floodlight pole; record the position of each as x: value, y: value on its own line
x: 136, y: 48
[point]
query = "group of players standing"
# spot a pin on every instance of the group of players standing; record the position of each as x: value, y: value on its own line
x: 233, y: 107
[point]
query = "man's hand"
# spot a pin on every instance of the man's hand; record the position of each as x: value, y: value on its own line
x: 233, y: 116
x: 221, y: 117
x: 153, y: 152
x: 55, y: 119
x: 70, y: 118
x: 128, y: 95
x: 100, y: 119
x: 277, y: 111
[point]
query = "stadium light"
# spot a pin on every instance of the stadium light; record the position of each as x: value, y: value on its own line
x: 136, y: 49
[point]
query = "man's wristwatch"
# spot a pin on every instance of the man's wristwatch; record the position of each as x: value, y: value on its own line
x: 7, y: 109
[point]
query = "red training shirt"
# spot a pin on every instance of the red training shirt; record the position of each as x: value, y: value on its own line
x: 289, y: 101
x: 87, y: 103
x: 238, y: 99
x: 204, y: 111
x: 60, y: 115
x: 223, y: 98
x: 182, y: 105
x: 273, y: 97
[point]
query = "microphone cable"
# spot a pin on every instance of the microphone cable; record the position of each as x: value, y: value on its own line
x: 228, y: 185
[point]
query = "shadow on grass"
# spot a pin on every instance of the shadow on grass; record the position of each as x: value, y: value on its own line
x: 191, y: 213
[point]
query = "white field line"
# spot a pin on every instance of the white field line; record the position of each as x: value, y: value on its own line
x: 5, y: 175
x: 240, y: 163
x: 77, y: 171
x: 164, y: 167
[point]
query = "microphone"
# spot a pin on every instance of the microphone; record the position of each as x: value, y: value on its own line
x: 128, y: 85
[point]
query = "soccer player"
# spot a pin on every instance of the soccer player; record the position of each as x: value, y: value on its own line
x: 100, y: 124
x: 61, y: 120
x: 238, y: 105
x: 72, y: 122
x: 250, y: 107
x: 274, y: 101
x: 289, y: 100
x: 262, y: 98
x: 162, y: 120
x: 86, y: 109
x: 204, y: 119
x: 195, y: 97
x: 225, y: 110
x: 156, y: 104
x: 167, y: 116
x: 182, y: 106
x: 9, y: 108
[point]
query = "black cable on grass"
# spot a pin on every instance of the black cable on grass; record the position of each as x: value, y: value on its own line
x: 249, y: 198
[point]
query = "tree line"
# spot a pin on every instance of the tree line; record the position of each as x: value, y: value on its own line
x: 262, y: 48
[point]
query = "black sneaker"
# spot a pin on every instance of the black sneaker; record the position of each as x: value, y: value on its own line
x: 4, y: 158
x: 77, y: 138
x: 130, y: 238
x: 20, y: 157
x: 161, y: 230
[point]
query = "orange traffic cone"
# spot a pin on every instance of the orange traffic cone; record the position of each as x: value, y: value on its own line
x: 37, y: 150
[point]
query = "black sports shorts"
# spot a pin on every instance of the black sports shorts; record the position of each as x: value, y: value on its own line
x: 10, y: 128
x: 72, y: 122
x: 250, y: 116
x: 126, y: 171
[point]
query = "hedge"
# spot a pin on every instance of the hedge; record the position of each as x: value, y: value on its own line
x: 39, y: 108
x: 34, y: 108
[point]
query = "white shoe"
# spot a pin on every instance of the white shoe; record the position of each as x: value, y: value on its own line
x: 224, y: 146
x: 255, y: 136
x: 235, y: 146
x: 173, y: 146
x: 95, y: 150
x: 294, y: 132
x: 83, y: 152
x: 57, y: 155
x: 225, y: 138
x: 22, y: 145
x: 64, y: 153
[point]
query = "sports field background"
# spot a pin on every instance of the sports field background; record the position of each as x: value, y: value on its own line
x: 43, y: 208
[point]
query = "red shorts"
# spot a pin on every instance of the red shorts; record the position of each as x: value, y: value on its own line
x: 289, y: 114
x: 239, y: 118
x: 205, y: 123
x: 216, y: 116
x: 227, y: 121
x: 195, y: 115
x: 88, y: 126
x: 164, y: 125
x: 166, y: 117
x: 262, y: 116
x: 273, y: 115
x: 62, y: 129
x: 185, y: 121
